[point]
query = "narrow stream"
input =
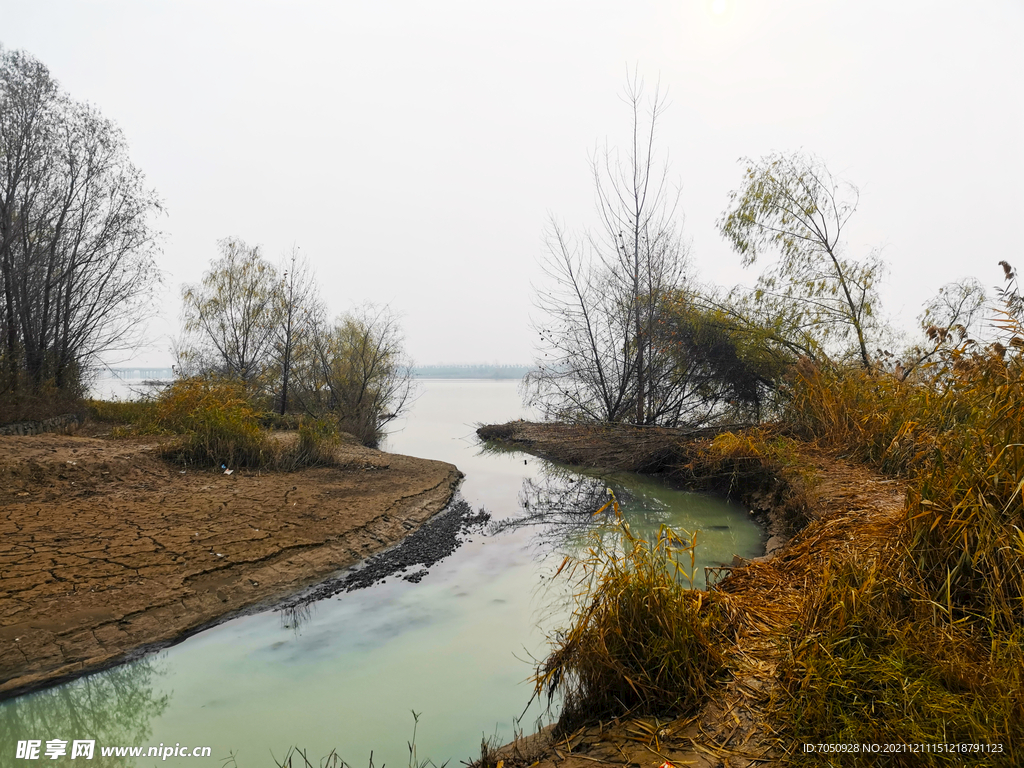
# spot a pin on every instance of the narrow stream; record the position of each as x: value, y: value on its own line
x: 346, y: 672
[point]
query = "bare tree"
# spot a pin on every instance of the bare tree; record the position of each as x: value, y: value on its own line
x: 76, y: 242
x: 298, y: 313
x: 599, y: 356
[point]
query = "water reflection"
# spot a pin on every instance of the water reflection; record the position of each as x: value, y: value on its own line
x: 561, y: 503
x: 295, y: 614
x: 115, y: 707
x: 564, y: 501
x: 560, y: 499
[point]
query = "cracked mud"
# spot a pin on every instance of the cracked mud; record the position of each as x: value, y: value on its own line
x: 107, y: 551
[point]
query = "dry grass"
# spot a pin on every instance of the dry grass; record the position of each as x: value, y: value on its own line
x: 319, y: 441
x: 867, y: 665
x: 640, y: 639
x: 214, y: 421
x: 957, y: 435
x: 760, y: 466
x: 122, y: 412
x: 918, y: 638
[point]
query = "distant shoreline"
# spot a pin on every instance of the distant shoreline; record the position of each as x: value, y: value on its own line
x: 483, y: 371
x: 506, y: 372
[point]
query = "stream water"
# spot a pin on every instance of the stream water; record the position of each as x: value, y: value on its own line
x: 347, y: 672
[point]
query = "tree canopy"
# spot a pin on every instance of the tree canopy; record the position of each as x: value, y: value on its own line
x: 253, y: 322
x: 77, y: 243
x: 793, y: 205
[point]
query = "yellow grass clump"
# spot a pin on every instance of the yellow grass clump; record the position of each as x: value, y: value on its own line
x: 217, y: 421
x: 640, y: 639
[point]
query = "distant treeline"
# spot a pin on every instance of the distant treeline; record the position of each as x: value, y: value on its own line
x: 470, y: 371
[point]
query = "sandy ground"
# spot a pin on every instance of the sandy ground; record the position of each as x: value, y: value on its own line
x: 107, y: 551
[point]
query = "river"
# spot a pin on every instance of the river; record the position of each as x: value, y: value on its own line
x: 347, y: 672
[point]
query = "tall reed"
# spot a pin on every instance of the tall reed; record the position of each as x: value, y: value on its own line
x: 957, y: 433
x: 868, y: 666
x: 927, y: 645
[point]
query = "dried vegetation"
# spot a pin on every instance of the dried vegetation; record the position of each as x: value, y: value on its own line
x: 212, y: 421
x: 640, y: 639
x: 895, y: 615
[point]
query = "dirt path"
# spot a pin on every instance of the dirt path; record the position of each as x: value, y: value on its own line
x: 106, y: 550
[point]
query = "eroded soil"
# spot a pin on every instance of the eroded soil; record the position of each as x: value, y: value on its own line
x: 106, y: 550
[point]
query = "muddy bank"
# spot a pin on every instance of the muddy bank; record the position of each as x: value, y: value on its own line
x: 410, y: 559
x: 108, y: 551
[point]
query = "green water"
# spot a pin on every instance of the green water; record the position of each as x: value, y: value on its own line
x: 345, y: 673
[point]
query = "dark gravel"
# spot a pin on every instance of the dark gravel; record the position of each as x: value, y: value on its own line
x: 420, y: 550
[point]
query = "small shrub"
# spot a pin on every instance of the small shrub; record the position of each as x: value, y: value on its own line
x: 217, y: 423
x: 319, y: 440
x: 639, y: 638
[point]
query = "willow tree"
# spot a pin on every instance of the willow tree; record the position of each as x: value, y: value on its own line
x: 792, y: 204
x: 357, y: 371
x: 599, y: 359
x: 231, y: 318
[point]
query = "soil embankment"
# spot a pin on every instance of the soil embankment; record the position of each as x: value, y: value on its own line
x: 822, y: 509
x: 109, y: 551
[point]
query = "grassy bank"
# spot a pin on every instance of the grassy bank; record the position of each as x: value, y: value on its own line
x: 890, y: 617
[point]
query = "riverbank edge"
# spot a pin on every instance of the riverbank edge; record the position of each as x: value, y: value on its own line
x: 251, y: 587
x: 812, y: 504
x: 777, y: 494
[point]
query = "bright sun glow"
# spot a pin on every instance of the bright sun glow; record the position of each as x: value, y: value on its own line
x: 718, y: 7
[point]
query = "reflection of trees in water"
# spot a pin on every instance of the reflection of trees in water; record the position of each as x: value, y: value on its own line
x: 294, y: 615
x: 563, y: 503
x: 559, y: 498
x: 114, y: 707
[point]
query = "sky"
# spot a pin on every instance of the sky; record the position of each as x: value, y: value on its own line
x: 416, y: 152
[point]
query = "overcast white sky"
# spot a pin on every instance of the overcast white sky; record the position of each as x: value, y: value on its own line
x: 414, y: 150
